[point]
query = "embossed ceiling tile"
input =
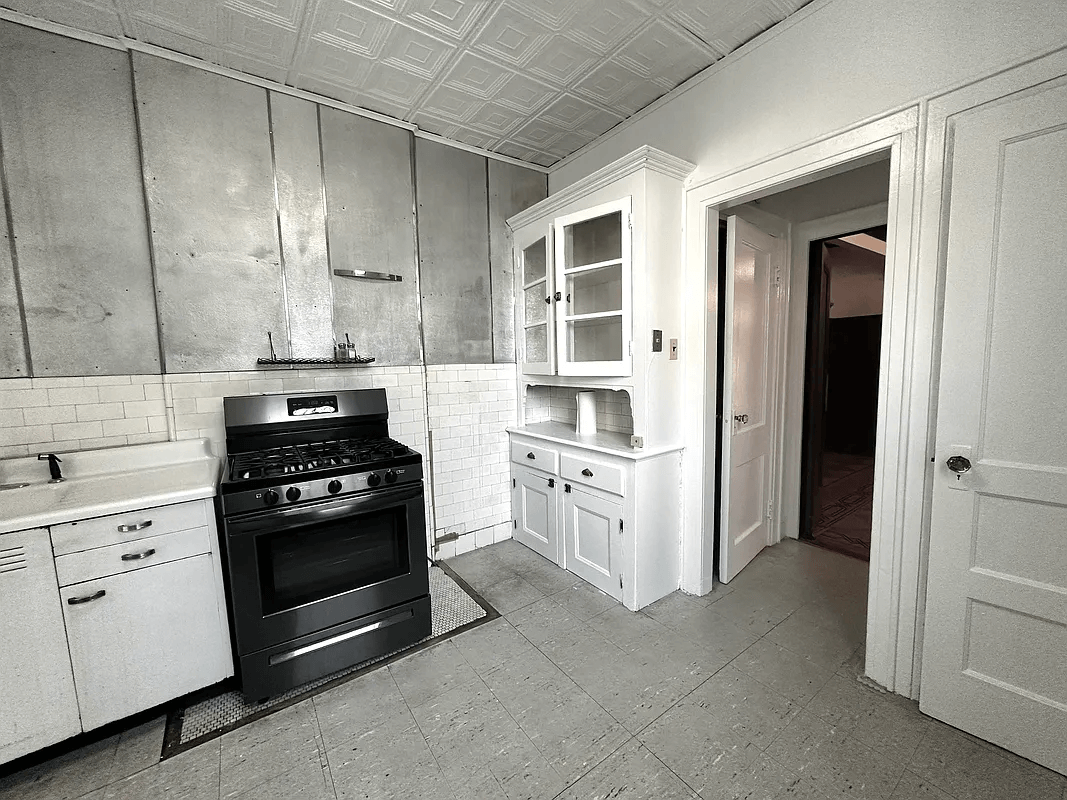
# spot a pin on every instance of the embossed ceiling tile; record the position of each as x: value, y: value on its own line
x: 496, y: 119
x: 603, y: 25
x: 288, y: 12
x: 708, y: 18
x: 536, y: 134
x: 337, y: 65
x: 416, y: 52
x: 456, y: 18
x: 561, y: 60
x: 253, y: 66
x: 477, y: 75
x: 450, y: 104
x: 433, y: 124
x: 352, y: 27
x: 554, y: 14
x: 544, y: 159
x: 176, y: 42
x: 475, y: 138
x: 568, y: 112
x: 98, y: 17
x: 378, y: 104
x: 515, y: 151
x: 787, y: 7
x: 512, y: 37
x: 195, y: 19
x: 615, y: 85
x: 256, y: 36
x: 678, y: 72
x: 395, y: 86
x: 660, y: 46
x: 568, y: 143
x: 602, y: 122
x: 524, y: 93
x: 754, y: 21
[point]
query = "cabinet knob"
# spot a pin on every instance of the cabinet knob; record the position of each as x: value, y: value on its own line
x: 587, y: 472
x: 77, y: 601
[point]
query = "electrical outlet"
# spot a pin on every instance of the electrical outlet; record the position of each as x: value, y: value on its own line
x: 674, y: 350
x: 657, y: 341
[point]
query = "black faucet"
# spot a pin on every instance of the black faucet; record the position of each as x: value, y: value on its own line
x: 53, y: 466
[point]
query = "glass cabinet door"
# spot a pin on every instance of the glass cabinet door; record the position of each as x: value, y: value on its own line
x: 593, y: 314
x: 535, y: 307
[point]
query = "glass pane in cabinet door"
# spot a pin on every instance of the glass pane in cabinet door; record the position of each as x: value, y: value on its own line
x: 537, y: 344
x: 534, y: 262
x: 595, y: 339
x: 536, y: 307
x: 594, y: 240
x: 595, y: 290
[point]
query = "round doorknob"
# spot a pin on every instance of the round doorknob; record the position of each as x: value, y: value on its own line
x: 959, y: 464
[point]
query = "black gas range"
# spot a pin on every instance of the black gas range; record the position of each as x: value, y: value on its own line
x: 324, y: 532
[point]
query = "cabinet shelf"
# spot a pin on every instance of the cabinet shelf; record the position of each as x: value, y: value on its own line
x: 612, y: 262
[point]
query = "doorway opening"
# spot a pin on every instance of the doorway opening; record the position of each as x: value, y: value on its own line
x: 846, y: 282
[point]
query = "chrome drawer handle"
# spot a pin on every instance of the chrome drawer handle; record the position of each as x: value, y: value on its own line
x: 531, y: 456
x: 140, y: 526
x: 77, y: 601
x: 151, y: 551
x: 587, y: 472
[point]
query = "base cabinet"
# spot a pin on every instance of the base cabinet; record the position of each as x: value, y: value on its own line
x: 148, y: 636
x: 37, y: 704
x: 593, y: 529
x: 534, y: 499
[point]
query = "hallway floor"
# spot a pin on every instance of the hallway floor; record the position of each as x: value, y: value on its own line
x: 750, y: 692
x: 845, y: 505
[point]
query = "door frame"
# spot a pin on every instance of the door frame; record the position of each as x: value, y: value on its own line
x: 904, y: 378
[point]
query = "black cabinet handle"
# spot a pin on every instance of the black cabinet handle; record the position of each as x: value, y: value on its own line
x: 531, y: 456
x: 77, y: 601
x: 151, y: 551
x: 548, y: 299
x: 587, y: 472
x: 559, y: 296
x: 551, y: 483
x: 567, y: 488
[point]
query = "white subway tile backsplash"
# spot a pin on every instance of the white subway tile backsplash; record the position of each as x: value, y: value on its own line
x: 144, y: 408
x: 125, y: 427
x: 77, y: 430
x: 12, y: 418
x: 99, y: 411
x: 72, y: 396
x: 119, y: 394
x: 27, y: 434
x: 21, y: 397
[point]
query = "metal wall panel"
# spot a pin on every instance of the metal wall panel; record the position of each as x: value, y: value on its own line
x: 371, y: 226
x: 210, y: 184
x: 511, y: 189
x: 12, y: 339
x: 70, y: 155
x: 454, y: 254
x: 302, y: 222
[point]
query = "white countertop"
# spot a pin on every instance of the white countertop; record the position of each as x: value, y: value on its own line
x: 609, y: 442
x: 101, y: 482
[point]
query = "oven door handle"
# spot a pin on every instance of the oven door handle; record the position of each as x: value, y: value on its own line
x: 299, y: 516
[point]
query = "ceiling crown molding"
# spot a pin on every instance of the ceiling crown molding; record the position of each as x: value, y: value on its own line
x: 645, y: 157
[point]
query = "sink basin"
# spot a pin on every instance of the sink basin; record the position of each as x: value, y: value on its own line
x: 6, y: 486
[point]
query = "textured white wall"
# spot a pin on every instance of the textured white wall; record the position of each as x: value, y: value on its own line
x: 827, y: 68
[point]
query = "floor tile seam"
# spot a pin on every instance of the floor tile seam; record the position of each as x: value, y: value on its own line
x: 324, y: 758
x: 429, y: 749
x: 522, y: 730
x: 598, y: 762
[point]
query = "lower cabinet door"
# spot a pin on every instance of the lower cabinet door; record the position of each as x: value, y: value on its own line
x: 534, y: 504
x: 592, y: 534
x: 37, y: 703
x: 145, y: 637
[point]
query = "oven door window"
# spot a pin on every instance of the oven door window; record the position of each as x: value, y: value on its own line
x: 305, y: 564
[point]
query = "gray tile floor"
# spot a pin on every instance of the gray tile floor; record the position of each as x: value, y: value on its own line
x: 750, y: 692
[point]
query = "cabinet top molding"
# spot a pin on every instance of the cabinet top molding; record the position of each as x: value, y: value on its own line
x: 646, y: 157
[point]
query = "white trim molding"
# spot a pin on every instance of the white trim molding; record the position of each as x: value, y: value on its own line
x: 903, y: 423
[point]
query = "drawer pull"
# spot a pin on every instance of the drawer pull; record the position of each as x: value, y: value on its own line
x: 151, y: 551
x: 140, y: 526
x: 77, y: 601
x: 587, y: 472
x: 531, y: 456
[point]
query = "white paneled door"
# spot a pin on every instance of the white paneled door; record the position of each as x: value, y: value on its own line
x: 995, y: 650
x: 753, y: 265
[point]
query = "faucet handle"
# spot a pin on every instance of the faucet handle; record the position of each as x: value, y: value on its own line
x: 53, y: 465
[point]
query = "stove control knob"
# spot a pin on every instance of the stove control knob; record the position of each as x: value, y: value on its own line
x: 270, y: 497
x: 333, y: 487
x: 374, y: 479
x: 293, y: 494
x: 390, y: 477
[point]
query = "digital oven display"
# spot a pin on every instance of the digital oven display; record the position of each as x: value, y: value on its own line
x: 309, y: 406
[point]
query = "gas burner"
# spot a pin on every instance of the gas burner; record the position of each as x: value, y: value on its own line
x: 314, y: 456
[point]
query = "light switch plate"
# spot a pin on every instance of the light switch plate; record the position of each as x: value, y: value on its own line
x: 674, y: 350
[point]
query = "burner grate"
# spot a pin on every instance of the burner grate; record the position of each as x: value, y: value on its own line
x: 312, y: 456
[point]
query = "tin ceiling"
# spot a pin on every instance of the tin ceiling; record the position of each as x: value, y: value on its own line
x: 531, y: 79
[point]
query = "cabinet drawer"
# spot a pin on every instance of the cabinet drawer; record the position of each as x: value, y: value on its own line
x: 101, y: 562
x: 531, y: 455
x: 592, y: 473
x: 120, y: 528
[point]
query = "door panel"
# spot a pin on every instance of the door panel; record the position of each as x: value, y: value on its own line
x: 592, y: 525
x: 535, y: 506
x: 996, y: 616
x: 753, y: 261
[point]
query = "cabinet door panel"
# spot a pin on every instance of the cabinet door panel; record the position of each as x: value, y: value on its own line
x: 535, y: 507
x: 592, y: 526
x: 155, y: 634
x: 37, y: 704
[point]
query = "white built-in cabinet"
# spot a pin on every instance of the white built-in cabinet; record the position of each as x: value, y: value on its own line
x: 106, y: 617
x: 599, y: 299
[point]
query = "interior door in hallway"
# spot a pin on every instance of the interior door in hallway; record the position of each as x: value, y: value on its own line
x: 753, y: 270
x: 996, y: 616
